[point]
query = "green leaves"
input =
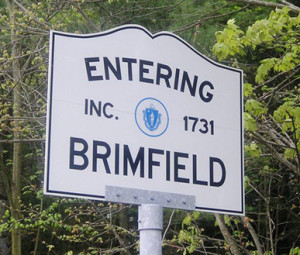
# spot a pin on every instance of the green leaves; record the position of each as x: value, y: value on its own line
x: 249, y: 122
x: 253, y: 150
x: 190, y: 234
x: 279, y: 31
x: 288, y: 115
x: 264, y: 69
x: 229, y: 41
x: 248, y: 89
x: 269, y: 53
x: 255, y: 108
x: 295, y: 251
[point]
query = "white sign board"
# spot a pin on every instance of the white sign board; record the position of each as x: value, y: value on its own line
x: 130, y: 109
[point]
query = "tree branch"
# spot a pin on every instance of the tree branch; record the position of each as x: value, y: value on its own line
x: 23, y: 140
x: 198, y: 22
x: 254, y: 235
x: 277, y: 155
x: 289, y: 4
x: 46, y: 26
x: 227, y: 236
x: 90, y: 23
x: 167, y: 228
x: 293, y: 8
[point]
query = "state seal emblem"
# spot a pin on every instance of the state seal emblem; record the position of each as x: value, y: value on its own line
x: 151, y: 117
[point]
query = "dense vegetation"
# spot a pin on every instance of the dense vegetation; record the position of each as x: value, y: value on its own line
x: 261, y: 37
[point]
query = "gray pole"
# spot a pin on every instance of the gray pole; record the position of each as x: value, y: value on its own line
x: 150, y: 228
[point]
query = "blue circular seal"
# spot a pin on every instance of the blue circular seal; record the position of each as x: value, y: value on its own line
x: 151, y: 117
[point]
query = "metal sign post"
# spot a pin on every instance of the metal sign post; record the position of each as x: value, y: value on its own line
x: 150, y: 224
x: 150, y: 213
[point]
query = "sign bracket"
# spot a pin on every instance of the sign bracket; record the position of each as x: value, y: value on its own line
x: 138, y: 197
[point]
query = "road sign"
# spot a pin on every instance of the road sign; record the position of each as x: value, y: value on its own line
x: 148, y: 112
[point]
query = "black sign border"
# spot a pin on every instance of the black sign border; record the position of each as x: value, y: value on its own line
x: 53, y: 34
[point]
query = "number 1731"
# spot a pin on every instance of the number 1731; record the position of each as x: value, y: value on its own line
x: 194, y: 124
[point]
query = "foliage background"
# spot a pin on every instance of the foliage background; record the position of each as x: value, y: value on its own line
x: 260, y: 37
